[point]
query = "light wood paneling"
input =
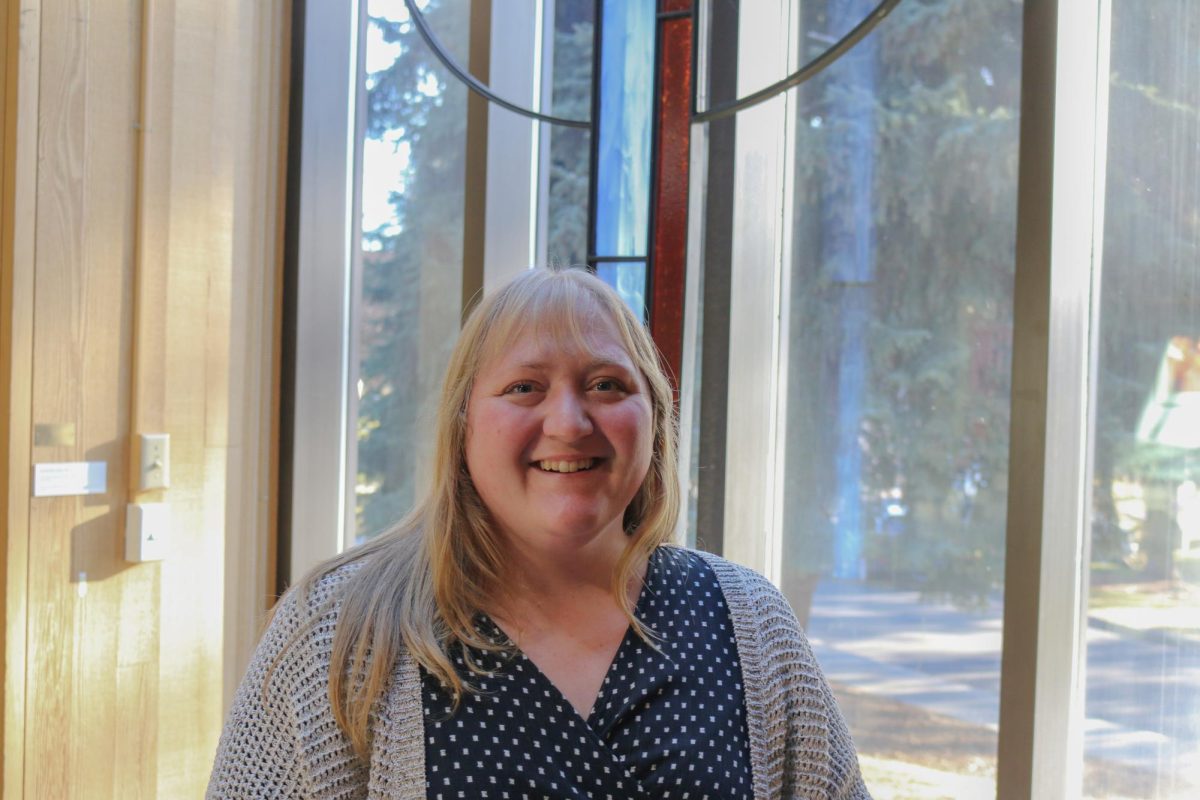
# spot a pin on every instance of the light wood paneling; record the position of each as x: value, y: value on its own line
x: 17, y: 208
x: 197, y: 404
x: 78, y: 584
x: 260, y: 183
x: 151, y: 282
x: 142, y: 205
x: 225, y: 165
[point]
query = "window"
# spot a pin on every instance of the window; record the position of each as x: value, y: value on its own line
x: 940, y: 370
x: 392, y: 243
x: 895, y: 374
x: 870, y: 272
x: 412, y: 185
x: 1142, y: 702
x: 570, y: 148
x: 622, y: 159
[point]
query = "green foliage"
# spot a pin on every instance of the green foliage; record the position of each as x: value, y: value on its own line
x: 570, y: 147
x: 943, y: 129
x: 411, y: 266
x: 941, y: 122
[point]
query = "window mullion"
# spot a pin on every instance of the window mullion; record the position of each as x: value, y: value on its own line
x: 1041, y: 719
x: 759, y: 231
x: 322, y: 411
x: 512, y: 164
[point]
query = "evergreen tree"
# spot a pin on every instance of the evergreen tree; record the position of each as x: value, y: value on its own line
x: 412, y: 266
x: 570, y: 147
x: 939, y: 117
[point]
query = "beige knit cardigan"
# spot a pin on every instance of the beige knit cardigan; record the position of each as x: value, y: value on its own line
x: 289, y: 746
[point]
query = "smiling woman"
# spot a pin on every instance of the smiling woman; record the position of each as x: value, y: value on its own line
x: 559, y: 438
x: 528, y: 629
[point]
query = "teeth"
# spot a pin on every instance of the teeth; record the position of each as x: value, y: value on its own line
x: 567, y: 466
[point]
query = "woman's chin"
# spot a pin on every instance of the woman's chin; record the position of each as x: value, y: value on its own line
x: 575, y: 531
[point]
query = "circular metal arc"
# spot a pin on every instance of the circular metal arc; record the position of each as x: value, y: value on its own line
x: 471, y: 82
x: 804, y: 73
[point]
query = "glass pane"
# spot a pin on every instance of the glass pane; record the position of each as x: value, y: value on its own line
x: 411, y: 249
x: 691, y: 411
x: 626, y: 107
x: 897, y: 417
x: 1142, y: 736
x: 629, y: 279
x: 566, y: 216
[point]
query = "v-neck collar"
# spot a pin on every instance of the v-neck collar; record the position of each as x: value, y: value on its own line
x: 612, y: 701
x: 650, y: 668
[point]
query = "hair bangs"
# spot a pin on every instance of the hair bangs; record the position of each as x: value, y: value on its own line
x: 563, y: 307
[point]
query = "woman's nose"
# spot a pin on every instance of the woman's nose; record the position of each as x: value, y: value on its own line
x: 566, y: 417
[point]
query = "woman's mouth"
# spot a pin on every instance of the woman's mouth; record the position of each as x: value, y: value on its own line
x: 573, y: 465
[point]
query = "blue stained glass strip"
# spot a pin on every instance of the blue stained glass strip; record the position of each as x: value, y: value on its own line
x: 626, y: 110
x: 629, y: 279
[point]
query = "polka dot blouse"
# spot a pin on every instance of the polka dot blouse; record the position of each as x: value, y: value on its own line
x: 665, y: 724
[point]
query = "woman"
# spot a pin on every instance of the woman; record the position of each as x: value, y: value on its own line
x: 527, y: 631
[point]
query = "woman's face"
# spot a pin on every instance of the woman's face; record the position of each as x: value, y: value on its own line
x: 559, y: 436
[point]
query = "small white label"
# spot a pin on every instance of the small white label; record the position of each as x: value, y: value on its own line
x: 70, y: 478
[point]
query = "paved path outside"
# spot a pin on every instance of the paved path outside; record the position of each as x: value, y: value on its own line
x: 1143, y: 693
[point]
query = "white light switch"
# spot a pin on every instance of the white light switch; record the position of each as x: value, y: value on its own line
x: 147, y: 531
x: 155, y: 461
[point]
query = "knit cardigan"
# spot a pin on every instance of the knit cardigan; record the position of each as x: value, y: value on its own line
x: 281, y: 741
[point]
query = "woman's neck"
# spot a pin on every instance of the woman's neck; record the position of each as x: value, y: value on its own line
x: 552, y: 588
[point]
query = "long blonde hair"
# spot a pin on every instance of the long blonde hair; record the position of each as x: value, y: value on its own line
x: 420, y: 586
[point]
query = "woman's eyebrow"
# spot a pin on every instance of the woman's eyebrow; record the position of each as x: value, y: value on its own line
x: 608, y: 361
x: 601, y: 362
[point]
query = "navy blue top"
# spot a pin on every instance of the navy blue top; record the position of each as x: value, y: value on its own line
x: 665, y: 724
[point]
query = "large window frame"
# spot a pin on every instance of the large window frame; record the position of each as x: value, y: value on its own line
x: 322, y: 405
x: 1063, y: 108
x: 1063, y: 156
x: 512, y: 178
x: 1063, y: 119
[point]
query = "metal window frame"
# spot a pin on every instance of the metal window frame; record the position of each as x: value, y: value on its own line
x: 690, y: 377
x: 319, y: 521
x: 1062, y: 147
x: 1063, y: 131
x: 518, y: 174
x: 716, y: 50
x: 321, y: 508
x: 1062, y: 107
x: 761, y: 244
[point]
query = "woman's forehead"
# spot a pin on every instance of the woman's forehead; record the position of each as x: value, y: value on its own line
x: 591, y: 337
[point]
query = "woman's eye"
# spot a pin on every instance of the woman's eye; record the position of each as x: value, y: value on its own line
x: 607, y: 385
x: 523, y: 387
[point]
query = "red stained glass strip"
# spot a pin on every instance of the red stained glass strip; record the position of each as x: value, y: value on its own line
x: 669, y: 246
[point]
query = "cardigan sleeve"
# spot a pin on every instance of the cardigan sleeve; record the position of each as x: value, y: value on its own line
x: 280, y: 739
x: 800, y: 745
x: 845, y: 773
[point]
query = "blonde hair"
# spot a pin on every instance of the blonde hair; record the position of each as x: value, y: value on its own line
x: 420, y: 586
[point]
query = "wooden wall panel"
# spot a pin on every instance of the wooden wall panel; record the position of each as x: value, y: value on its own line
x: 197, y: 403
x: 78, y: 583
x: 142, y: 223
x: 17, y: 214
x: 226, y: 109
x: 258, y: 213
